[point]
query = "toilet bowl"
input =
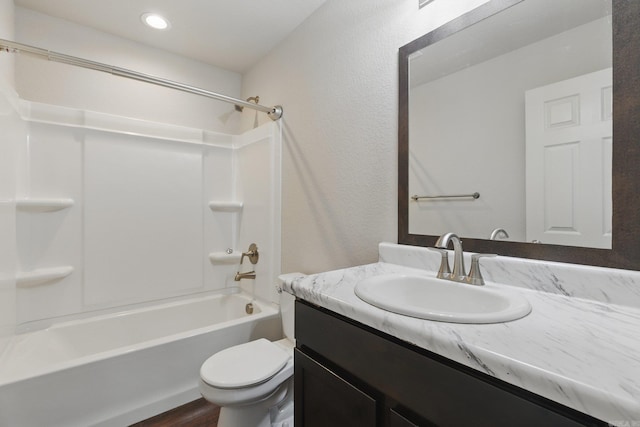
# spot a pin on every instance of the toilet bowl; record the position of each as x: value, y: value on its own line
x: 253, y: 382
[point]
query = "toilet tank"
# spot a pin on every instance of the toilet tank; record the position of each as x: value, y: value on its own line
x: 287, y: 306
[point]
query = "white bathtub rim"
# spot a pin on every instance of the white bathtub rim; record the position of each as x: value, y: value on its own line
x: 62, y: 322
x: 267, y: 310
x: 98, y: 313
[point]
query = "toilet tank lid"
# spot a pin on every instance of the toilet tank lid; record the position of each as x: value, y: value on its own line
x: 244, y: 365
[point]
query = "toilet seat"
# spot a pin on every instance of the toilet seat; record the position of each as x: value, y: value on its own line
x: 244, y: 365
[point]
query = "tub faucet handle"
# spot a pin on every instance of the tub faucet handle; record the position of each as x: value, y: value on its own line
x: 252, y: 254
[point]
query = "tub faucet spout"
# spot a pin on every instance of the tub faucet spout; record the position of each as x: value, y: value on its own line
x: 247, y: 275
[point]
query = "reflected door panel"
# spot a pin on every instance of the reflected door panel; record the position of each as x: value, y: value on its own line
x: 568, y: 161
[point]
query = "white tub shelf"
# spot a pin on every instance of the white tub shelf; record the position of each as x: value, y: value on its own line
x: 225, y: 206
x: 43, y: 205
x: 224, y: 257
x: 40, y: 276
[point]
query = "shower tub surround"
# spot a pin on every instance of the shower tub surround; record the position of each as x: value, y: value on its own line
x: 117, y: 223
x: 140, y: 220
x: 579, y: 346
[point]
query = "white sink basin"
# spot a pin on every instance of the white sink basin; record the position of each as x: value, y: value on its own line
x: 442, y: 300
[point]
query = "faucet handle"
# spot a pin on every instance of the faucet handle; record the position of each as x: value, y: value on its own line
x: 252, y: 254
x: 475, y: 277
x: 445, y: 271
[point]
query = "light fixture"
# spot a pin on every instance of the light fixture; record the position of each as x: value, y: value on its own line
x: 156, y: 21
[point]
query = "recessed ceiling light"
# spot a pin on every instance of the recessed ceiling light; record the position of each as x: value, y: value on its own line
x: 156, y: 21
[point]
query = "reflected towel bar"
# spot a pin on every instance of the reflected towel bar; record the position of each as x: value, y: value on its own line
x: 451, y: 196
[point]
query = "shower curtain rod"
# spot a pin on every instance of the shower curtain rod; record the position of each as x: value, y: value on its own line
x: 274, y: 112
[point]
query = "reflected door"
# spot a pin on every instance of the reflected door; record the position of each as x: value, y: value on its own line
x: 568, y: 161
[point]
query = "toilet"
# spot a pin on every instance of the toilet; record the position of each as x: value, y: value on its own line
x: 253, y: 382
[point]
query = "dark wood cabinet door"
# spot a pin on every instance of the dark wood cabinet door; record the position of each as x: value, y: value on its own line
x: 325, y: 399
x: 397, y: 420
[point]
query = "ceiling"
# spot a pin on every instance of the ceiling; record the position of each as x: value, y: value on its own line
x: 231, y: 34
x: 513, y: 28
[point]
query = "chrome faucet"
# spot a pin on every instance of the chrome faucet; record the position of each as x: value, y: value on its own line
x: 459, y: 273
x: 498, y: 233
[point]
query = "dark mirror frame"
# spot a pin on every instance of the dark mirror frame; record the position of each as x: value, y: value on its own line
x: 625, y: 252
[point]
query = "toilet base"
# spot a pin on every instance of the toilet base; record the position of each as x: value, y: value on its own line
x: 235, y: 417
x: 257, y: 414
x: 282, y: 414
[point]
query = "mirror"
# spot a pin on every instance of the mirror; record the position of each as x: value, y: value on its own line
x: 522, y: 102
x: 503, y: 102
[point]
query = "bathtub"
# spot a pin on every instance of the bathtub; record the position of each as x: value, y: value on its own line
x: 120, y: 368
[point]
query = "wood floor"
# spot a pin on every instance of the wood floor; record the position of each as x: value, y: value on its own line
x: 198, y: 413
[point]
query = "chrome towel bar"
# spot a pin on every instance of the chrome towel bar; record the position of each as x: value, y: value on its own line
x: 474, y: 196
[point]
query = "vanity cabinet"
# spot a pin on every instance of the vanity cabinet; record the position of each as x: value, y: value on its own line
x: 348, y: 374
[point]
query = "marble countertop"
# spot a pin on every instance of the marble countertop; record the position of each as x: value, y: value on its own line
x: 582, y: 353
